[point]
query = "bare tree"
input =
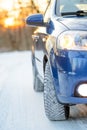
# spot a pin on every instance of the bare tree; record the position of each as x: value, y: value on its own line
x: 19, y: 38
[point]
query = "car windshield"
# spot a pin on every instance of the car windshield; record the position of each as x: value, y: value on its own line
x: 67, y: 6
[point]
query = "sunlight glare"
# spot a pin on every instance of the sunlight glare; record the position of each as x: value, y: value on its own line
x: 9, y: 22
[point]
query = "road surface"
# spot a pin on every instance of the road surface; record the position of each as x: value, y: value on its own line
x: 23, y: 109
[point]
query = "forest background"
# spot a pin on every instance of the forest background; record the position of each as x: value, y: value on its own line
x: 14, y: 33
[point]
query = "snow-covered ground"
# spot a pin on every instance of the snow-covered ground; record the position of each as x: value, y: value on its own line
x: 23, y: 109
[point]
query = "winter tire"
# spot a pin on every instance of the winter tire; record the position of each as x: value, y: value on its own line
x: 53, y: 109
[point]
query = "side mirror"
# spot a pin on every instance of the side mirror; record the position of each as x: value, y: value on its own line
x: 36, y: 20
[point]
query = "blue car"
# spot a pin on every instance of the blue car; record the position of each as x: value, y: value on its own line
x: 59, y: 56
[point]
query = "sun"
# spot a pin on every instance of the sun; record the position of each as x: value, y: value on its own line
x: 13, y: 23
x: 9, y: 22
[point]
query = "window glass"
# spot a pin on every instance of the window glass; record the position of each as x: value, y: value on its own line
x: 70, y: 5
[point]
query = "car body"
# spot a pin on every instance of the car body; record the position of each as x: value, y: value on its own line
x: 61, y: 40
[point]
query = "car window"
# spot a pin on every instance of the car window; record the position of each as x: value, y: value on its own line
x: 70, y: 6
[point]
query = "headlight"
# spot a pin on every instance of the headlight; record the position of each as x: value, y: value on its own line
x: 81, y: 90
x: 73, y: 40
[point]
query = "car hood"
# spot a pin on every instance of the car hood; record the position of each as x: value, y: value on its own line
x: 75, y: 24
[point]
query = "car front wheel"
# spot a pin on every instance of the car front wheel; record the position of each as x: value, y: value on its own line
x: 53, y: 109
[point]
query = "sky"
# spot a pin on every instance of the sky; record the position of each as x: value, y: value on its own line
x: 6, y: 4
x: 9, y: 4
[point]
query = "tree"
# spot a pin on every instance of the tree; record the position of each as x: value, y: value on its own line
x: 18, y: 36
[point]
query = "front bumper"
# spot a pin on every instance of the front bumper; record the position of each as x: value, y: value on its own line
x: 71, y: 100
x: 72, y: 70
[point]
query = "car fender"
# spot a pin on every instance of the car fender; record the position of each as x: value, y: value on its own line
x: 53, y: 69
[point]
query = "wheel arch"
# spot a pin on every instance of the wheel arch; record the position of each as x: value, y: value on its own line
x: 53, y: 68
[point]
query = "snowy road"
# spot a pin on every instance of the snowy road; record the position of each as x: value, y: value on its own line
x: 23, y: 109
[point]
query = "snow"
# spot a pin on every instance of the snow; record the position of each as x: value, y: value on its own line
x: 21, y: 108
